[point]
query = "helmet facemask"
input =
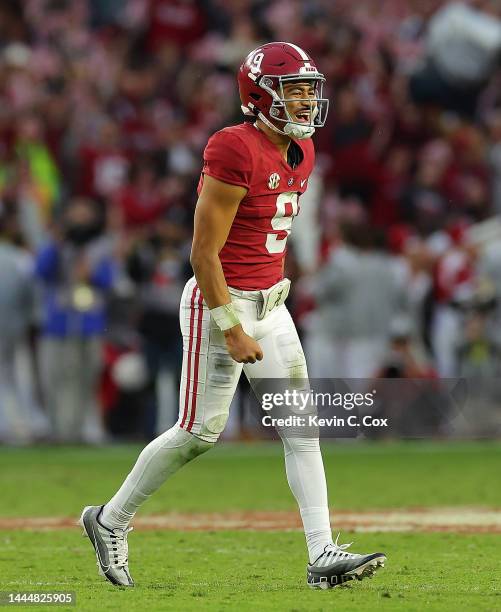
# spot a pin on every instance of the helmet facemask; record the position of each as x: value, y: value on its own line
x: 317, y: 112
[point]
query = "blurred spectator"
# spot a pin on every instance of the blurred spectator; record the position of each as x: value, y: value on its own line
x: 160, y: 272
x: 494, y: 157
x: 142, y: 200
x: 463, y: 47
x: 424, y: 205
x: 38, y: 161
x: 478, y: 355
x: 177, y: 23
x: 407, y: 390
x: 478, y: 358
x: 104, y: 163
x: 358, y: 293
x: 76, y: 270
x: 403, y: 358
x: 20, y: 420
x: 453, y: 275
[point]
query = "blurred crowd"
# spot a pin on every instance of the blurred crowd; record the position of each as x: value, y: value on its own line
x: 105, y: 108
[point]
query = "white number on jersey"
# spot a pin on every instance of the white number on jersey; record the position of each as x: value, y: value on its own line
x: 287, y: 209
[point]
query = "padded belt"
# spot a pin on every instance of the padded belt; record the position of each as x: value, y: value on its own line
x: 273, y: 298
x: 266, y: 299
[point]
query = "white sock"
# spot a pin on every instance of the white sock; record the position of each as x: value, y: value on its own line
x: 306, y: 477
x: 317, y: 529
x: 157, y: 461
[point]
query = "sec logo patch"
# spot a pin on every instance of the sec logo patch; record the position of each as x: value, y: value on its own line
x: 273, y: 181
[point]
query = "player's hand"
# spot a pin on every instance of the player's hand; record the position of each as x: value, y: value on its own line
x: 241, y: 347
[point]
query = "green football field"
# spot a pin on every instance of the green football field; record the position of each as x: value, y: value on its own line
x: 451, y: 567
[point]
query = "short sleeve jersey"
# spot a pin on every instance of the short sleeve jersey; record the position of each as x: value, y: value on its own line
x: 253, y: 255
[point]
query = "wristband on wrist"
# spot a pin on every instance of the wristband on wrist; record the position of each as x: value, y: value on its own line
x: 224, y: 316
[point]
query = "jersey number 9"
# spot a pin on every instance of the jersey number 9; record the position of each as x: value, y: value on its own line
x: 287, y: 209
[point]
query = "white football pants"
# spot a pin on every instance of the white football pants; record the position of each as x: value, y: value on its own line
x: 210, y: 376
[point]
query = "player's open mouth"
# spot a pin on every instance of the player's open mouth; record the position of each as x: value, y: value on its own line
x: 303, y: 116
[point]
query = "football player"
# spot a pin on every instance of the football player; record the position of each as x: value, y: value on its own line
x: 232, y: 313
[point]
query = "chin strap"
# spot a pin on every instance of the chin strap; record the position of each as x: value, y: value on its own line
x: 293, y: 130
x: 299, y: 131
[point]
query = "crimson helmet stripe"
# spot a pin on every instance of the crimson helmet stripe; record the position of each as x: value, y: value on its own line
x: 197, y: 360
x: 190, y: 348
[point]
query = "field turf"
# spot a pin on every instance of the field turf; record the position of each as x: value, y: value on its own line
x: 256, y: 570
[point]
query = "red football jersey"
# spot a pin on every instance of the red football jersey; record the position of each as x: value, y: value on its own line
x: 253, y: 255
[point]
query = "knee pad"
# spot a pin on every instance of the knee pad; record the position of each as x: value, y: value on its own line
x: 189, y: 445
x: 204, y: 439
x: 212, y: 429
x: 300, y: 445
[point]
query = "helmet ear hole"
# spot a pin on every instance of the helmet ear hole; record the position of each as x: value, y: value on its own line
x: 255, y: 96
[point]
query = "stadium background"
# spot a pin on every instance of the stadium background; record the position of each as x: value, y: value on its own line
x: 105, y: 108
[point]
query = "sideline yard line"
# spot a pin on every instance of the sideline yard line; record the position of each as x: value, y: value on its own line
x: 454, y: 519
